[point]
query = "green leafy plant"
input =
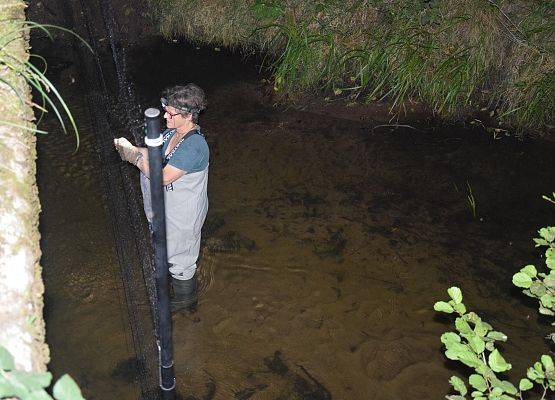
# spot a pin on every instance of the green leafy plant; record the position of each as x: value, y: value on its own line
x: 35, y: 77
x: 474, y: 345
x: 538, y: 284
x: 31, y: 385
x: 453, y: 56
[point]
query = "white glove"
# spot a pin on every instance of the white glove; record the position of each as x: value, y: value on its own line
x: 126, y: 150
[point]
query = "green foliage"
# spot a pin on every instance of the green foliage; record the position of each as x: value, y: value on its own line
x: 475, y: 341
x: 541, y: 285
x: 31, y: 385
x: 454, y: 56
x: 35, y: 77
x: 474, y: 345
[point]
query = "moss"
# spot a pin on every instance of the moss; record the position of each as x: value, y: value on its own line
x: 18, y: 187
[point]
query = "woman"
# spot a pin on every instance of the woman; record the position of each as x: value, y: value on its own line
x: 185, y: 176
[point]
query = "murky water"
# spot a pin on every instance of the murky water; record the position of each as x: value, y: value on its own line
x: 84, y: 303
x: 326, y: 245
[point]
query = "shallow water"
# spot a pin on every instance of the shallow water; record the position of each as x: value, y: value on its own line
x: 326, y: 245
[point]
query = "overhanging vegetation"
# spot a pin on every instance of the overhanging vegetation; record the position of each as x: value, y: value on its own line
x: 455, y: 56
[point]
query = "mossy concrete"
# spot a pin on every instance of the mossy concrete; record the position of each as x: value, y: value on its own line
x: 22, y: 329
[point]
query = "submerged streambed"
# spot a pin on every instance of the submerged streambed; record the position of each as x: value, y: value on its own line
x: 326, y: 245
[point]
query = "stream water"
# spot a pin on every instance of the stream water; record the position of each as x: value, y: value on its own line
x: 326, y: 245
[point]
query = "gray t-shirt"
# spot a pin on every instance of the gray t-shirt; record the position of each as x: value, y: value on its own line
x: 192, y: 155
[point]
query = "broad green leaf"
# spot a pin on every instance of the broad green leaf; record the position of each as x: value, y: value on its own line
x: 508, y: 387
x: 458, y: 385
x: 11, y: 388
x: 522, y: 280
x: 462, y: 326
x: 472, y: 317
x: 495, y: 335
x: 461, y: 352
x: 470, y: 359
x: 38, y: 395
x: 535, y: 375
x: 548, y: 233
x: 66, y: 389
x: 32, y: 380
x: 442, y: 306
x: 477, y: 344
x: 545, y: 311
x: 6, y: 388
x: 497, y: 391
x: 547, y: 300
x: 477, y: 395
x: 6, y: 359
x: 478, y: 382
x: 530, y: 270
x: 497, y: 362
x: 460, y: 308
x: 494, y: 380
x: 538, y: 289
x: 482, y: 369
x: 550, y: 262
x: 547, y: 362
x: 481, y: 328
x: 487, y: 326
x: 456, y: 294
x: 525, y: 384
x: 538, y: 366
x: 450, y: 337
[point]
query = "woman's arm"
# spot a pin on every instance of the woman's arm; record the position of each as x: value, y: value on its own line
x: 169, y: 173
x: 138, y: 156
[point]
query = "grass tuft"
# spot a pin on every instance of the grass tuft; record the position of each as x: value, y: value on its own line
x: 35, y: 76
x: 457, y: 56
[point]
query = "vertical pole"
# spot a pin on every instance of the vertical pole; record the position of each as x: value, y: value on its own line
x: 154, y: 142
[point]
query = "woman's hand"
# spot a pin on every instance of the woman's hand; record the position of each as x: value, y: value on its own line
x: 126, y: 150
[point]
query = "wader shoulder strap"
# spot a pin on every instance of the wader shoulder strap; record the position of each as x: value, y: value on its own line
x: 172, y: 152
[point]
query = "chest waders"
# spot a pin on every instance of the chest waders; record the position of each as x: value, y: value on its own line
x: 186, y: 203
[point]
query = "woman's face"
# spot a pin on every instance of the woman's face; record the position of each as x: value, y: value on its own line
x: 173, y: 118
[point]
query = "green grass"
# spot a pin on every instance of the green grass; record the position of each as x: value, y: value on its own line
x: 49, y: 96
x: 455, y: 56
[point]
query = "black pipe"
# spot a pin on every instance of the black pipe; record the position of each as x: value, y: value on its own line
x: 154, y: 143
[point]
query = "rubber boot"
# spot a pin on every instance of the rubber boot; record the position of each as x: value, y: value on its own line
x: 185, y: 294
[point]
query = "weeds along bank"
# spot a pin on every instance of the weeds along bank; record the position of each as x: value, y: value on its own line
x: 21, y: 287
x: 457, y: 56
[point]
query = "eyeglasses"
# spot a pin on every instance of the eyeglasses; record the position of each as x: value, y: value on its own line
x: 188, y: 110
x: 164, y: 103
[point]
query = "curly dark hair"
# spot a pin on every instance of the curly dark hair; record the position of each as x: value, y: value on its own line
x: 188, y: 99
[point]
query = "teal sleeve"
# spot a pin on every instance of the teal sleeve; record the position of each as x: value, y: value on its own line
x: 192, y: 155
